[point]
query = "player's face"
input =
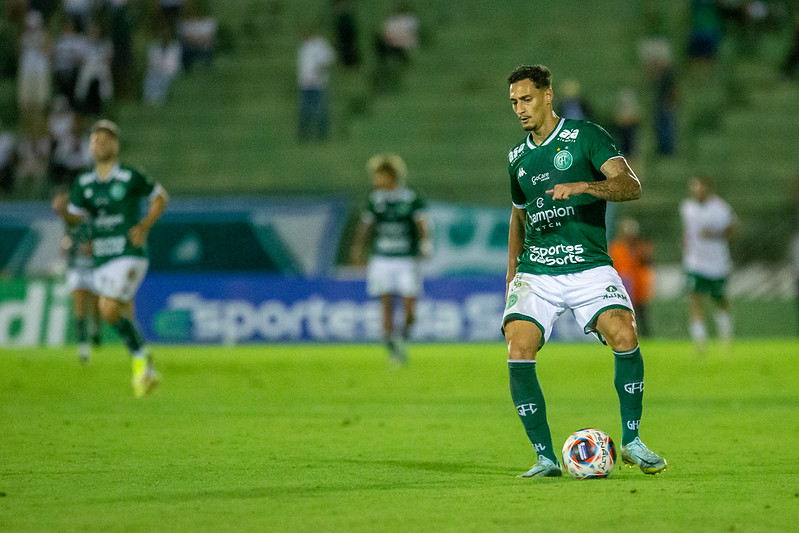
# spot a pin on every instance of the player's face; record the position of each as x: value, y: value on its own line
x: 104, y: 145
x: 383, y: 180
x: 531, y: 104
x: 698, y: 190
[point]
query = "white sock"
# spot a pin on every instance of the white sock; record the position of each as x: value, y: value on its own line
x: 698, y: 332
x: 724, y: 325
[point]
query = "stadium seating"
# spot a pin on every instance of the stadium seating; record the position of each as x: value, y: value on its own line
x: 231, y: 128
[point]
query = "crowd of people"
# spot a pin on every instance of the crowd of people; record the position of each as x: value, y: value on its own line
x: 75, y: 61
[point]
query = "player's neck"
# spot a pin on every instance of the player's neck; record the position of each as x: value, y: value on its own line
x: 104, y: 168
x: 547, y: 127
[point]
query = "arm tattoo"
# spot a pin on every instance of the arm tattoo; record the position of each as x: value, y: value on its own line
x: 621, y: 183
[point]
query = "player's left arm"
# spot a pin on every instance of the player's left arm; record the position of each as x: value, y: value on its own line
x: 158, y: 200
x: 621, y: 184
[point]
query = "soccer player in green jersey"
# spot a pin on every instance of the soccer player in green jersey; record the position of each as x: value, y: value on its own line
x: 77, y: 247
x: 562, y: 174
x: 399, y: 238
x: 109, y: 198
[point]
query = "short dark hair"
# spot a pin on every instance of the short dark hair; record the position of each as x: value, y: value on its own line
x: 387, y: 168
x: 538, y: 74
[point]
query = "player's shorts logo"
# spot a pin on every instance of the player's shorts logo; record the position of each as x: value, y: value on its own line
x: 563, y: 160
x: 512, y: 299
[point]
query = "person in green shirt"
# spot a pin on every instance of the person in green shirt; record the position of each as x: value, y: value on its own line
x: 109, y: 198
x: 395, y: 227
x: 562, y: 174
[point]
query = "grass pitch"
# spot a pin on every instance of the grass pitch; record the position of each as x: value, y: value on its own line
x: 331, y: 438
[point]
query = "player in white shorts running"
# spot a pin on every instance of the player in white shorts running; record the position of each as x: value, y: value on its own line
x: 562, y: 174
x: 399, y: 238
x: 109, y: 197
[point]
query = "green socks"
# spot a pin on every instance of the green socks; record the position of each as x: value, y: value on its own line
x: 629, y: 381
x: 129, y: 335
x: 529, y: 401
x: 82, y: 330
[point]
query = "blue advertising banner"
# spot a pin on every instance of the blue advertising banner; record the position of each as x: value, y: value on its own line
x: 218, y: 309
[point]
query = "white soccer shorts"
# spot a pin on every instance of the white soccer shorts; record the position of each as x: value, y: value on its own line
x: 80, y: 278
x: 541, y: 299
x: 119, y: 279
x: 393, y: 275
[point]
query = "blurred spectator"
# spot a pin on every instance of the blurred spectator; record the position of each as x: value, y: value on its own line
x: 163, y: 64
x: 121, y: 40
x: 80, y: 11
x: 655, y: 54
x: 95, y: 86
x: 62, y: 118
x: 572, y: 103
x: 791, y: 61
x: 314, y: 60
x: 399, y: 35
x: 8, y: 159
x: 705, y: 31
x: 71, y: 155
x: 197, y: 36
x: 34, y: 86
x: 626, y: 119
x: 170, y: 13
x: 31, y: 176
x: 632, y: 258
x: 346, y: 29
x: 69, y: 52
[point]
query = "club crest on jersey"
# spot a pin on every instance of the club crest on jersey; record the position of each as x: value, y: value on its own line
x: 117, y: 191
x: 563, y: 160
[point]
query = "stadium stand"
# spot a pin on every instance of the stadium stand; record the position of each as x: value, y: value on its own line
x: 231, y: 128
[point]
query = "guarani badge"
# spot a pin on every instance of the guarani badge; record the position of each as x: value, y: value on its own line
x: 563, y: 160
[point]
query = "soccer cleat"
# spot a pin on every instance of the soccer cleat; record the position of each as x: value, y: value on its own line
x: 545, y: 467
x: 636, y: 453
x: 83, y: 353
x: 145, y: 378
x: 397, y: 351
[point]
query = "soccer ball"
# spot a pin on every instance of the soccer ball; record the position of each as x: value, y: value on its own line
x: 589, y: 453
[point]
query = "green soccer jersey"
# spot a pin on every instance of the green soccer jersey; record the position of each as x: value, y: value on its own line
x: 393, y: 214
x: 112, y: 206
x: 562, y: 236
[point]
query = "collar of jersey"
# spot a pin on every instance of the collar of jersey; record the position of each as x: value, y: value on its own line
x: 111, y: 174
x: 552, y: 135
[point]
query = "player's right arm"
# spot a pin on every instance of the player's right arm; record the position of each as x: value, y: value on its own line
x: 359, y: 242
x: 60, y: 205
x: 516, y: 236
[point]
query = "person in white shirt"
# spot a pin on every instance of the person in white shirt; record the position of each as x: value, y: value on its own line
x: 315, y: 58
x: 708, y: 224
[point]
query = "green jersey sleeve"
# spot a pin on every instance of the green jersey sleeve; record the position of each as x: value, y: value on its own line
x: 140, y: 185
x: 601, y: 145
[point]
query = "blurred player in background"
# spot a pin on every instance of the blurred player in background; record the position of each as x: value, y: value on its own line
x: 561, y: 176
x: 632, y: 259
x: 394, y: 224
x: 77, y: 248
x: 708, y: 223
x: 109, y: 198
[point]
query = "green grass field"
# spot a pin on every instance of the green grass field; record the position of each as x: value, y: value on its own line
x: 330, y: 438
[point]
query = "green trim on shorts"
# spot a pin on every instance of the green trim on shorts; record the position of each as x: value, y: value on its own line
x: 510, y: 317
x: 699, y: 284
x: 591, y: 326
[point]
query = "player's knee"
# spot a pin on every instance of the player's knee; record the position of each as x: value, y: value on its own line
x: 523, y: 340
x: 109, y: 310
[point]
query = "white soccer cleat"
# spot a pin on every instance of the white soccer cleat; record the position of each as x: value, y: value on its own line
x: 545, y: 467
x: 636, y: 453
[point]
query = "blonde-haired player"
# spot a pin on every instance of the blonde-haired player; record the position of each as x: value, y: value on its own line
x: 394, y: 224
